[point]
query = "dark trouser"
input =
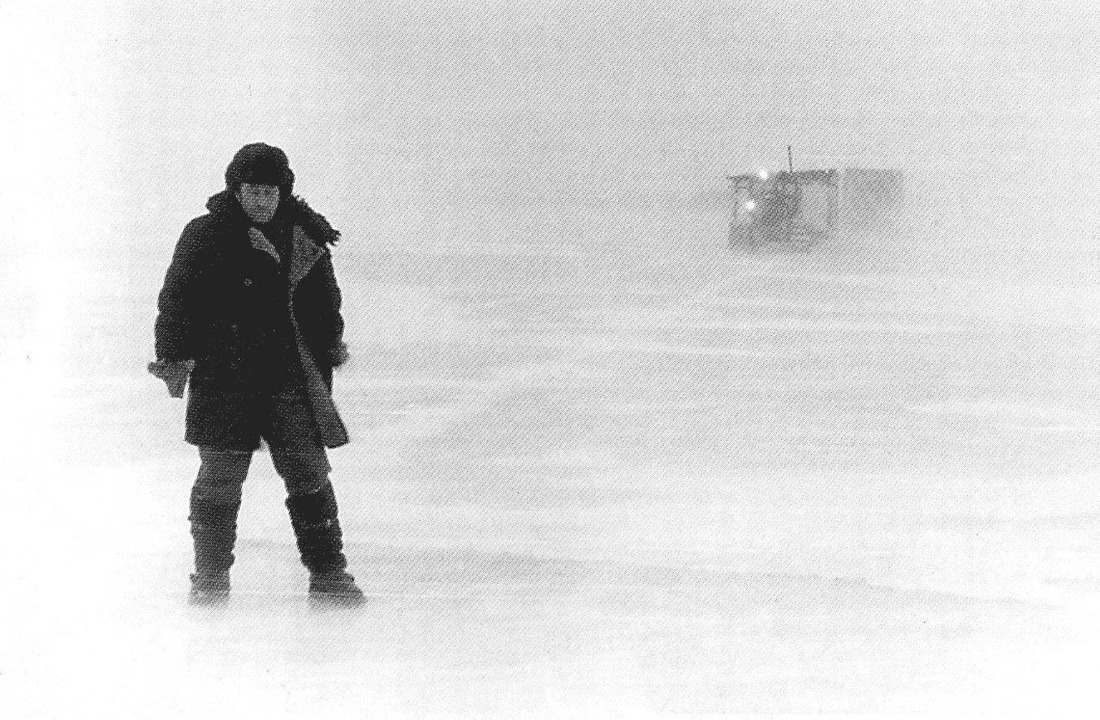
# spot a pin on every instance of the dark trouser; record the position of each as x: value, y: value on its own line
x: 302, y: 463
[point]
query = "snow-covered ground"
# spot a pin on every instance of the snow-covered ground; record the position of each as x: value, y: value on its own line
x: 602, y: 467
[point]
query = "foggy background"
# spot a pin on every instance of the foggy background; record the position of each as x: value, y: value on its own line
x: 601, y: 462
x: 416, y: 107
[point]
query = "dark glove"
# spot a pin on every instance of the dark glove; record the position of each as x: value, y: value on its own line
x: 174, y: 374
x: 338, y: 354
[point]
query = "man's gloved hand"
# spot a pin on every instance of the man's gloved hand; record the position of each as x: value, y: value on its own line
x: 338, y: 354
x: 174, y: 374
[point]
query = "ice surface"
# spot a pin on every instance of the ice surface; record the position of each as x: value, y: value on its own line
x: 602, y: 465
x: 716, y: 483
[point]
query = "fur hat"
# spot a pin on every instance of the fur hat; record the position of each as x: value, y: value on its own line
x: 260, y: 164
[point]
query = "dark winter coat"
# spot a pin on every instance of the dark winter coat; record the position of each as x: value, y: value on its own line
x: 224, y: 304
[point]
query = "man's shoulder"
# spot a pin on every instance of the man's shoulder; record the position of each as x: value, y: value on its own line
x: 208, y: 224
x: 202, y: 233
x: 219, y: 215
x: 315, y: 226
x: 200, y: 223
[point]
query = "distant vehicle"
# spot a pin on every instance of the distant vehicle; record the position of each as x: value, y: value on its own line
x: 799, y: 209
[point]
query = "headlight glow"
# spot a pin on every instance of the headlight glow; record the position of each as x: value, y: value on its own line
x: 750, y: 205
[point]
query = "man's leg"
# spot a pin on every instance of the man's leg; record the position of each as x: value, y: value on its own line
x: 302, y: 462
x: 215, y: 502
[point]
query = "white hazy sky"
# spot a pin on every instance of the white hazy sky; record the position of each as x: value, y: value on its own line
x: 406, y: 102
x: 118, y: 118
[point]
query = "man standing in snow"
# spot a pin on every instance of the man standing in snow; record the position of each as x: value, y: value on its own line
x: 250, y: 314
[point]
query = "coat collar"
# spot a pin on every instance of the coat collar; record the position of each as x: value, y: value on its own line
x: 312, y: 232
x: 304, y: 256
x: 304, y: 252
x: 224, y: 205
x: 260, y: 242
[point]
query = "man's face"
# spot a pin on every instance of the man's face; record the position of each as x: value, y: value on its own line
x: 259, y: 201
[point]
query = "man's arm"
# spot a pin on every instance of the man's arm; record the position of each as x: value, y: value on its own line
x: 174, y: 373
x: 333, y: 322
x: 176, y: 303
x: 176, y: 313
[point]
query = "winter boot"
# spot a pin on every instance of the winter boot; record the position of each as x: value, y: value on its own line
x: 208, y: 588
x: 338, y: 585
x: 214, y: 530
x: 320, y: 541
